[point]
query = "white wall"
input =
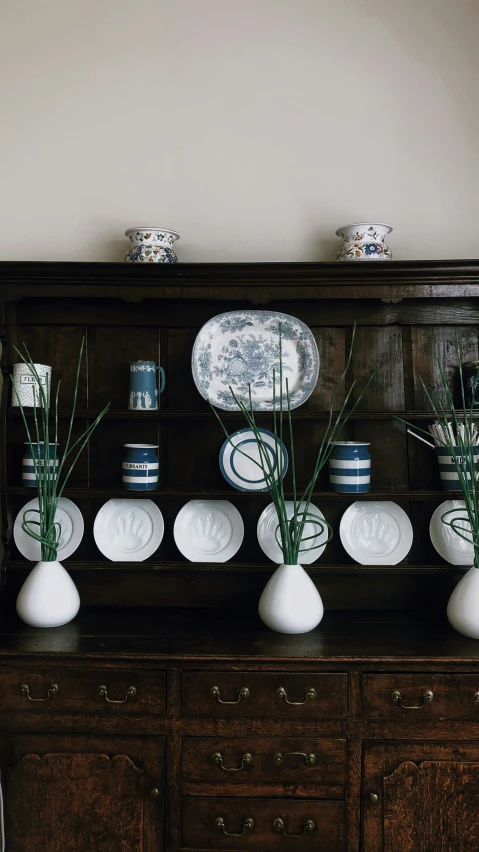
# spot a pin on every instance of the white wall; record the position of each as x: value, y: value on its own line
x: 253, y: 127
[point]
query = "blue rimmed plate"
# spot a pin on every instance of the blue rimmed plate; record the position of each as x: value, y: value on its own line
x: 240, y: 349
x: 239, y: 457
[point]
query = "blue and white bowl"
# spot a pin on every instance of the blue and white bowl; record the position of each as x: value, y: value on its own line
x: 350, y: 467
x: 140, y: 467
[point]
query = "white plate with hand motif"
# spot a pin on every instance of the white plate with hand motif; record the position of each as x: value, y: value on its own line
x: 311, y: 548
x: 208, y: 530
x: 448, y: 543
x: 128, y: 530
x: 69, y: 517
x: 240, y: 349
x: 376, y: 532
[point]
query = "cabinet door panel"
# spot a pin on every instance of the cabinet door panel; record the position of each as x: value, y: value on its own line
x: 421, y: 797
x: 84, y: 794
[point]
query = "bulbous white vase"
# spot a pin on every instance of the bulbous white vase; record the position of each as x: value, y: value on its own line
x: 48, y: 597
x: 290, y: 602
x: 463, y: 606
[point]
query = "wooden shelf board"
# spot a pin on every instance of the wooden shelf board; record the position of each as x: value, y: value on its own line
x: 87, y: 493
x: 194, y: 567
x: 299, y: 414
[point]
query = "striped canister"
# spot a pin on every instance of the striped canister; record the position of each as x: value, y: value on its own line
x: 29, y: 477
x: 350, y: 467
x: 140, y: 467
x: 447, y: 467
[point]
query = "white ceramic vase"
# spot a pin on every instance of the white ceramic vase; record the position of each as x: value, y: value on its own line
x: 48, y: 597
x: 290, y: 602
x: 364, y: 241
x: 463, y: 606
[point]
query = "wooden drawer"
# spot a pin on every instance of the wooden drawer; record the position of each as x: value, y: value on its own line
x: 310, y: 696
x: 79, y: 690
x: 260, y: 766
x: 409, y: 695
x: 205, y: 821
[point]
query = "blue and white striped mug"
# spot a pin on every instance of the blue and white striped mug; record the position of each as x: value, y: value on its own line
x: 140, y: 467
x: 29, y: 477
x: 447, y: 468
x: 350, y: 467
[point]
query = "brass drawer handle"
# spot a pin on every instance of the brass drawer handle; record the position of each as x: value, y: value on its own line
x: 310, y: 696
x: 52, y: 690
x: 243, y: 693
x: 426, y: 697
x: 309, y: 825
x: 246, y: 760
x: 309, y: 759
x: 102, y: 692
x: 476, y: 697
x: 247, y: 826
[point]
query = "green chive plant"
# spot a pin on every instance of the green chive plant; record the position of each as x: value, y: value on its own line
x: 462, y: 448
x: 51, y: 479
x: 289, y: 532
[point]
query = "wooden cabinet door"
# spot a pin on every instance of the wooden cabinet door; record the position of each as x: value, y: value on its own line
x: 421, y: 797
x: 84, y: 794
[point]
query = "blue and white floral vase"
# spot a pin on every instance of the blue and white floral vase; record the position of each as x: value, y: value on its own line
x: 151, y: 245
x: 364, y: 241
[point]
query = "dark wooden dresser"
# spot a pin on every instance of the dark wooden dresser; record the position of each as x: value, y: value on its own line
x: 166, y: 716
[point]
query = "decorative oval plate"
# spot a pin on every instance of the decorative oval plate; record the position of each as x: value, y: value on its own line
x: 376, y: 533
x: 208, y: 530
x: 313, y: 547
x: 239, y: 459
x: 69, y: 517
x: 448, y: 543
x: 128, y: 530
x: 241, y: 349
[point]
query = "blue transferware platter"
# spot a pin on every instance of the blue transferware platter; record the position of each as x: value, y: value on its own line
x: 241, y: 349
x: 239, y: 458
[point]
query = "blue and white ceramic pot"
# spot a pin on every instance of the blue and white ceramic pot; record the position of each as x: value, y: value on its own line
x: 364, y: 241
x: 140, y: 467
x: 350, y: 467
x: 29, y: 477
x: 151, y: 245
x: 447, y: 467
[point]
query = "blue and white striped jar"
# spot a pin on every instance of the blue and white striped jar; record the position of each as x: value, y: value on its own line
x: 29, y: 477
x: 447, y: 468
x: 140, y: 467
x: 350, y: 467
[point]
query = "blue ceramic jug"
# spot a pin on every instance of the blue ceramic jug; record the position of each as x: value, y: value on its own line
x: 140, y: 467
x: 143, y: 391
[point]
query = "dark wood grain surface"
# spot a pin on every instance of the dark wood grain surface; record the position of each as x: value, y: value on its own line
x: 198, y: 634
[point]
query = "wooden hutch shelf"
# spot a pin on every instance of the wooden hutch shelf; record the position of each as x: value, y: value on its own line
x: 361, y: 735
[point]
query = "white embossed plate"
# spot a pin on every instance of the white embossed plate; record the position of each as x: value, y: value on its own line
x: 128, y: 530
x: 376, y: 532
x: 69, y: 517
x: 208, y: 530
x: 449, y: 544
x: 312, y: 547
x: 241, y: 348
